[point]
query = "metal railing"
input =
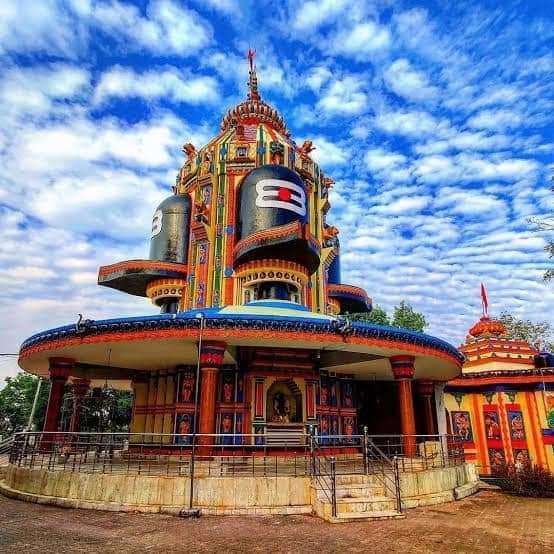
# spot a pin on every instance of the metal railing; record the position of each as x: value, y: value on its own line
x: 5, y: 449
x: 219, y: 455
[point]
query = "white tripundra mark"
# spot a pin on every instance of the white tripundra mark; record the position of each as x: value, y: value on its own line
x: 276, y: 193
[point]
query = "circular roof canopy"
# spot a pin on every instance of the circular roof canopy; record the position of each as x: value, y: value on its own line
x: 122, y: 346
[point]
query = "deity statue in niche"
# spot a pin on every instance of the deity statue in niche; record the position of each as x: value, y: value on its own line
x: 521, y: 459
x: 333, y: 393
x: 492, y: 427
x: 497, y: 460
x: 517, y: 430
x: 187, y: 386
x: 323, y: 394
x: 462, y: 426
x: 183, y: 429
x: 228, y: 388
x: 348, y: 426
x: 347, y: 400
x: 281, y: 408
x: 227, y: 423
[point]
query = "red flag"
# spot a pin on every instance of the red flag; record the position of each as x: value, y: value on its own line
x: 484, y: 300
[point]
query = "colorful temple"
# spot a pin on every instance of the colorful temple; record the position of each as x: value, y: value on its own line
x: 245, y: 268
x: 502, y: 406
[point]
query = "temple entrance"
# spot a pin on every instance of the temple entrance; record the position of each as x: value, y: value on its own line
x: 378, y: 407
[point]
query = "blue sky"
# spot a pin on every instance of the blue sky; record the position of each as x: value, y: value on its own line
x: 435, y: 119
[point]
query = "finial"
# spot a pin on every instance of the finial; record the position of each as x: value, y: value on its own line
x: 484, y: 301
x: 253, y: 93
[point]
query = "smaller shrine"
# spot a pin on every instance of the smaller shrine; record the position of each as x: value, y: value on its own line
x: 502, y: 405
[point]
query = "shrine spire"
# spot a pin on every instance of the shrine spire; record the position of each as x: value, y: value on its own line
x: 253, y: 93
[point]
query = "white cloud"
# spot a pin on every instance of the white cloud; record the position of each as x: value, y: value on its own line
x: 411, y: 124
x: 408, y: 82
x: 343, y: 96
x: 310, y: 15
x: 168, y: 28
x: 361, y: 40
x: 167, y: 84
x: 65, y: 28
x: 495, y: 120
x: 46, y: 25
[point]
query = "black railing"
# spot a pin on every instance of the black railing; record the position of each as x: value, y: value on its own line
x: 217, y: 455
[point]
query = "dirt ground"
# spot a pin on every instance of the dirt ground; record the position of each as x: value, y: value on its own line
x: 487, y: 522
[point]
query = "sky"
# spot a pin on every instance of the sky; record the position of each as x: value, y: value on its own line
x: 436, y: 120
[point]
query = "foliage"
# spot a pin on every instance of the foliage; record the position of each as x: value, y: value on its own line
x: 406, y: 317
x: 378, y: 316
x: 16, y: 401
x: 106, y: 410
x: 537, y: 333
x: 547, y: 224
x: 528, y: 480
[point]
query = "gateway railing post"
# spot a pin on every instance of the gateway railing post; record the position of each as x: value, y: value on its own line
x: 365, y: 451
x: 334, y: 486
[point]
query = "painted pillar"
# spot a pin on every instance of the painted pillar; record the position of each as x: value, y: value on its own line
x: 425, y: 390
x: 59, y: 370
x: 403, y: 371
x: 211, y: 359
x: 80, y: 389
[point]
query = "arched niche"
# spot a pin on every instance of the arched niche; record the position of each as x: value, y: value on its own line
x: 284, y: 402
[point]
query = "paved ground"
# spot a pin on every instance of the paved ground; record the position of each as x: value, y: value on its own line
x: 487, y: 522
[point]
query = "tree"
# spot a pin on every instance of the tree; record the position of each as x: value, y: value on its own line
x: 547, y: 224
x: 378, y: 316
x: 106, y: 410
x: 16, y: 401
x: 406, y: 317
x: 536, y: 333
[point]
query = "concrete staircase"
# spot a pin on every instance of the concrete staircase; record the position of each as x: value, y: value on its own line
x: 359, y: 498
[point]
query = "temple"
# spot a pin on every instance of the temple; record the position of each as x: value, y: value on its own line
x: 253, y: 346
x: 502, y: 405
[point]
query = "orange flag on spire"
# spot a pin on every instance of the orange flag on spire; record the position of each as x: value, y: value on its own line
x: 484, y: 300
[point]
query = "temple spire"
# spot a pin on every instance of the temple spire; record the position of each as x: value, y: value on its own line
x: 253, y: 93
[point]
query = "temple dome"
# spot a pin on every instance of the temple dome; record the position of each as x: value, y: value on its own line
x: 488, y: 327
x: 253, y: 109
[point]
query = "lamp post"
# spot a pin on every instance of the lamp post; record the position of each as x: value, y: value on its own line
x: 191, y: 511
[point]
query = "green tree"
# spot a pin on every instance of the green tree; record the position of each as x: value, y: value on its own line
x: 106, y: 410
x: 16, y: 401
x: 406, y: 317
x: 378, y: 316
x: 537, y: 333
x: 547, y: 224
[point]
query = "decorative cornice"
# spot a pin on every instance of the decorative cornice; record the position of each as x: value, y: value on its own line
x: 225, y: 327
x: 141, y: 265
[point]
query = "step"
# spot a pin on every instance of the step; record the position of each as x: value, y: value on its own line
x: 366, y: 505
x: 355, y: 491
x: 358, y: 491
x: 356, y: 479
x: 367, y: 516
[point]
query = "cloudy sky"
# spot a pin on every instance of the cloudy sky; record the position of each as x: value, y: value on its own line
x: 436, y: 120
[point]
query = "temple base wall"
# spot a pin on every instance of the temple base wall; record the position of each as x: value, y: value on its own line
x: 214, y: 495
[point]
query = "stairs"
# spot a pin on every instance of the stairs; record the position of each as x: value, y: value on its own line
x: 285, y: 434
x: 359, y: 498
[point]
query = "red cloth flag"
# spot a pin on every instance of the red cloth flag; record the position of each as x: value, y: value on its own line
x: 484, y: 299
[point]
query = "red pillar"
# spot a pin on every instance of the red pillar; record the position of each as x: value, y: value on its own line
x: 211, y: 359
x: 403, y: 370
x: 80, y: 389
x: 425, y: 390
x: 60, y: 369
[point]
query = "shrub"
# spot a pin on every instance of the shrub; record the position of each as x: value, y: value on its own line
x: 528, y: 480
